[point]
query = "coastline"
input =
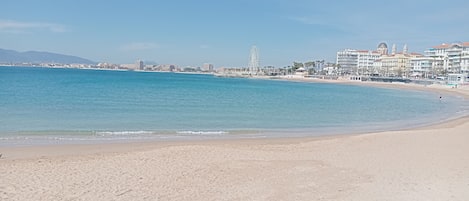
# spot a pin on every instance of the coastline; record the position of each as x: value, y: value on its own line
x: 425, y: 163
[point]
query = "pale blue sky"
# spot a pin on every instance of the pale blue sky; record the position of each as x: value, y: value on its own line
x: 221, y: 32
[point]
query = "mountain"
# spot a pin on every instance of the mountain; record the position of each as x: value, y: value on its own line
x: 11, y: 56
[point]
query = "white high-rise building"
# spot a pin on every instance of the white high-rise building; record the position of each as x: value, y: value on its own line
x: 450, y: 58
x: 421, y: 66
x: 207, y: 67
x: 357, y: 61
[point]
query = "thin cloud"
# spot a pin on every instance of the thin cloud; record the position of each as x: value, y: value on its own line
x: 139, y: 46
x: 11, y: 26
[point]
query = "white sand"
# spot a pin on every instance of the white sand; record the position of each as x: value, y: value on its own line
x: 429, y: 163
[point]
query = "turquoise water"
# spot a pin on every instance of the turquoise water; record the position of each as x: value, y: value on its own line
x: 73, y: 105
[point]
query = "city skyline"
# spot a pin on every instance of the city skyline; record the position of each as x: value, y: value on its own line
x: 191, y: 33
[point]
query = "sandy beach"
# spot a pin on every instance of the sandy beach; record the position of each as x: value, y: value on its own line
x: 428, y: 163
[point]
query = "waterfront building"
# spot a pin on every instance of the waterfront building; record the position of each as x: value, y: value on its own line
x: 357, y: 61
x: 128, y: 66
x: 139, y: 65
x: 397, y: 64
x: 377, y: 67
x: 421, y: 66
x: 450, y: 58
x: 458, y: 78
x: 347, y: 60
x: 208, y: 67
x: 167, y: 68
x: 379, y: 62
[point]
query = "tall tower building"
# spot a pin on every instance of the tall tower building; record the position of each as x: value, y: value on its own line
x: 253, y: 64
x: 405, y: 49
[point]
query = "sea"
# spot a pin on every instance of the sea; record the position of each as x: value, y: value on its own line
x: 61, y: 106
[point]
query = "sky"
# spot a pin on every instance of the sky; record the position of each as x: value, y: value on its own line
x: 222, y: 32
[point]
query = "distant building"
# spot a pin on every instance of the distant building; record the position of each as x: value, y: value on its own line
x: 167, y: 67
x: 380, y: 63
x: 421, y: 66
x: 208, y: 67
x: 377, y: 66
x: 172, y: 68
x: 128, y: 66
x: 357, y: 61
x: 139, y: 65
x: 450, y: 58
x: 397, y: 64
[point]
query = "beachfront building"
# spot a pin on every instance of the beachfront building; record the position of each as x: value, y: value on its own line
x: 347, y: 60
x: 377, y: 67
x: 450, y: 58
x: 421, y: 66
x: 398, y: 64
x: 357, y: 61
x: 439, y: 60
x: 458, y: 78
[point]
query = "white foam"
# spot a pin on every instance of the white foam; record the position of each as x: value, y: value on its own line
x: 113, y: 133
x: 202, y: 132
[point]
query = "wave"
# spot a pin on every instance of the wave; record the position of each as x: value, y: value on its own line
x: 120, y: 133
x: 169, y: 133
x: 202, y: 132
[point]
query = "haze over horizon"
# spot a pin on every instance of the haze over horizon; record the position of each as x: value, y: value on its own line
x: 189, y: 33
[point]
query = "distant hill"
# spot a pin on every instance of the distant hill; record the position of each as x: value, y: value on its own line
x: 11, y: 56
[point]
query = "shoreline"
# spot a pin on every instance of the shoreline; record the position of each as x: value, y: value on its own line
x: 38, y: 151
x: 178, y: 135
x: 424, y: 163
x: 462, y: 92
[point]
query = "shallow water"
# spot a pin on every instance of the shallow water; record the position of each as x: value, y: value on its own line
x: 61, y: 105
